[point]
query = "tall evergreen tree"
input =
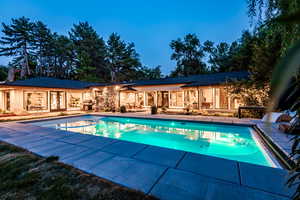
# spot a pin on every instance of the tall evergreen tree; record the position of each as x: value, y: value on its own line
x: 17, y: 43
x: 43, y: 46
x: 62, y: 62
x: 188, y: 54
x: 123, y: 60
x: 147, y: 73
x: 90, y: 52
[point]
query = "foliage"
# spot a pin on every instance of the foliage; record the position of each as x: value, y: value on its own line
x: 266, y: 11
x: 153, y: 110
x: 17, y: 42
x: 188, y: 54
x: 82, y: 55
x: 123, y: 109
x: 90, y: 53
x: 109, y: 99
x: 123, y: 60
x: 147, y: 73
x: 3, y: 72
x: 285, y: 78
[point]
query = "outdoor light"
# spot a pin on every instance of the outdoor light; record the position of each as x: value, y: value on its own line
x: 117, y: 87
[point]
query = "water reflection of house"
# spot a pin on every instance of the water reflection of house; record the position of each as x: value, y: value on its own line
x: 198, y: 92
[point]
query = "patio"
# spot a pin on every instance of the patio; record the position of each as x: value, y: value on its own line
x: 165, y: 173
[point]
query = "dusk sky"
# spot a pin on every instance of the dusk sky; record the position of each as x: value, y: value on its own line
x: 151, y: 25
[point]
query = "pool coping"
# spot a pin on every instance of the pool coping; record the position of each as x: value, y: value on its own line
x: 158, y: 181
x: 272, y: 148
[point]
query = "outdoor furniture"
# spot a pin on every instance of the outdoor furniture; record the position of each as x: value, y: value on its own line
x: 206, y: 105
x: 290, y: 127
x: 258, y: 108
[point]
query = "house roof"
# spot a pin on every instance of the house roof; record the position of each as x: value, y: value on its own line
x: 47, y: 82
x: 196, y: 80
x: 218, y: 78
x: 189, y: 81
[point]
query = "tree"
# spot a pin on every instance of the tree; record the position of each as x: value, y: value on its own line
x: 188, y: 54
x: 3, y: 72
x: 43, y: 46
x: 17, y: 42
x: 123, y: 60
x: 263, y: 12
x: 90, y: 52
x: 62, y: 58
x: 147, y: 73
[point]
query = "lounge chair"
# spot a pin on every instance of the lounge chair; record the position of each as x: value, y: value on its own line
x: 272, y: 117
x: 291, y: 127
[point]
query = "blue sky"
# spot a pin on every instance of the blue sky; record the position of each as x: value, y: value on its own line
x: 151, y: 25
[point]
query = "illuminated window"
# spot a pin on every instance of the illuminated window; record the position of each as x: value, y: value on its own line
x: 221, y: 98
x: 74, y: 100
x: 140, y: 99
x: 207, y: 98
x: 150, y: 98
x: 35, y: 101
x: 176, y: 99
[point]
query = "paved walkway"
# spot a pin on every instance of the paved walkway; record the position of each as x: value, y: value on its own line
x: 165, y: 173
x: 282, y: 141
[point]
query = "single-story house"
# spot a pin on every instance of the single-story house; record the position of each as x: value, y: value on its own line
x: 197, y: 92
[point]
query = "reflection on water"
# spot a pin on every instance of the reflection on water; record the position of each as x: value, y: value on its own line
x: 224, y: 141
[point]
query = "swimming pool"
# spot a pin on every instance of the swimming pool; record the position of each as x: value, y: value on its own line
x: 232, y: 142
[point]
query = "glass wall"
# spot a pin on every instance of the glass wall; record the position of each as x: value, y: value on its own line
x: 127, y: 99
x: 150, y: 98
x: 57, y: 100
x: 140, y: 99
x: 176, y: 99
x: 207, y: 98
x: 74, y: 100
x: 163, y: 99
x: 221, y: 98
x: 35, y: 101
x: 192, y: 98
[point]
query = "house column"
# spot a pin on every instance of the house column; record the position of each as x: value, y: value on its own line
x: 214, y: 97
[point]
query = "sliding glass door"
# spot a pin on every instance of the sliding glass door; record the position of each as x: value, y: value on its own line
x: 57, y: 101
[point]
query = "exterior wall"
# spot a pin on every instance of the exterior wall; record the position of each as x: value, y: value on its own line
x: 193, y: 98
x: 18, y: 97
x: 2, y: 101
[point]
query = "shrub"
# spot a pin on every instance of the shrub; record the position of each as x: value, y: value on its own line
x: 153, y: 110
x: 123, y: 109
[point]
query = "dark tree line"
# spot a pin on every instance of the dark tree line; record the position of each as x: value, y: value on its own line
x: 82, y: 54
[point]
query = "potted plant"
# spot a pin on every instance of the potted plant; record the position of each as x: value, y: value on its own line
x: 153, y: 110
x: 122, y: 109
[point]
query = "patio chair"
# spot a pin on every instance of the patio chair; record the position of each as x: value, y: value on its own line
x: 290, y: 127
x: 272, y: 117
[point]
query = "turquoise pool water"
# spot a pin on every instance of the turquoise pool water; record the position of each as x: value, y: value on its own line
x: 225, y: 141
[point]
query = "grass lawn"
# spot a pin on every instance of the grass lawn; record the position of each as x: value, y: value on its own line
x: 24, y: 175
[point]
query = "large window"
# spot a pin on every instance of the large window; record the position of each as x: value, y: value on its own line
x: 87, y: 96
x: 74, y: 100
x: 221, y: 98
x: 176, y: 99
x: 192, y: 98
x: 150, y: 98
x: 127, y: 99
x: 36, y: 101
x: 140, y: 99
x: 207, y: 98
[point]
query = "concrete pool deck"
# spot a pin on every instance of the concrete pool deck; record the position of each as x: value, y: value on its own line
x: 165, y: 173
